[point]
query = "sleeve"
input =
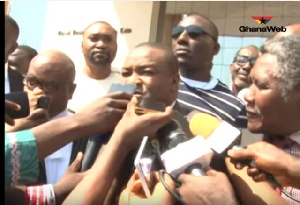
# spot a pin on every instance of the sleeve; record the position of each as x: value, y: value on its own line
x: 21, y: 158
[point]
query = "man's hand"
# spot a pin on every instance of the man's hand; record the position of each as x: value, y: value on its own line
x: 212, y: 189
x: 70, y: 179
x: 135, y: 126
x: 9, y: 105
x: 36, y: 117
x: 134, y: 193
x: 267, y: 158
x: 105, y: 112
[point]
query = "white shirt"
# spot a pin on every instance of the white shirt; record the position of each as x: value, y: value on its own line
x: 7, y: 86
x: 58, y: 162
x: 89, y: 89
x: 200, y: 84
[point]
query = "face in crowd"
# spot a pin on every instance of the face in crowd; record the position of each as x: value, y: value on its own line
x: 51, y: 73
x: 99, y: 44
x: 268, y: 111
x: 194, y: 42
x: 154, y: 71
x: 242, y: 64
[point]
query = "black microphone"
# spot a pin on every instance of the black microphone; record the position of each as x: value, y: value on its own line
x: 174, y: 133
x: 93, y: 146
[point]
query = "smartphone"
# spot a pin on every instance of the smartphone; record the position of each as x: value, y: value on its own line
x: 43, y: 102
x: 141, y: 166
x: 128, y: 88
x: 21, y: 98
x: 146, y: 105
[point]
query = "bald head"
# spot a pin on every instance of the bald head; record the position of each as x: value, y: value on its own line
x: 54, y: 64
x: 290, y: 30
x: 97, y: 23
x: 11, y: 25
x: 207, y: 23
x: 170, y: 58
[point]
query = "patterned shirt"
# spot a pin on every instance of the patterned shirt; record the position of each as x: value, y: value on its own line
x: 214, y: 98
x: 21, y: 158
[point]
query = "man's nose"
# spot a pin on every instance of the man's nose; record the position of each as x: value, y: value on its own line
x: 100, y: 44
x: 183, y: 37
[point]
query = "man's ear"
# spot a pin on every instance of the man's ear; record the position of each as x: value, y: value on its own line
x: 217, y: 49
x: 71, y: 90
x: 13, y: 48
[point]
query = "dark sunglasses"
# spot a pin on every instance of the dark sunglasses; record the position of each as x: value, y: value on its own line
x: 192, y: 30
x: 242, y: 60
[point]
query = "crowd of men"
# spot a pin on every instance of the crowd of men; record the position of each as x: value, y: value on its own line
x: 44, y: 150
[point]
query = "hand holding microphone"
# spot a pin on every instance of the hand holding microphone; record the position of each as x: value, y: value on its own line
x: 214, y: 188
x: 268, y: 158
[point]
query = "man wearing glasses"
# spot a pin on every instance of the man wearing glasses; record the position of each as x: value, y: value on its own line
x: 51, y: 76
x: 195, y: 43
x: 240, y: 68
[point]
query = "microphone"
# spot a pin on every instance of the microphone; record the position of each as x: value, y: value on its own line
x: 213, y: 136
x: 219, y: 134
x: 195, y: 169
x: 93, y: 146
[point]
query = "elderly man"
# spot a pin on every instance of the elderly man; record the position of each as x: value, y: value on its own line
x: 195, y: 43
x: 99, y: 47
x: 240, y: 68
x: 273, y: 108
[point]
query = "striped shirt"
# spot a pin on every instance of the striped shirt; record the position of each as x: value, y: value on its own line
x: 214, y: 98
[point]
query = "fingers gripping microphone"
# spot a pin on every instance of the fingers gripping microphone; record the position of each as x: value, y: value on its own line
x: 93, y: 146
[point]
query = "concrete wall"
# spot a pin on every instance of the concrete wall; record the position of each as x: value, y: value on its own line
x: 41, y: 23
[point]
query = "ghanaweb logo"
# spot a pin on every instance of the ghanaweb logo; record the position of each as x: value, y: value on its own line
x: 262, y: 20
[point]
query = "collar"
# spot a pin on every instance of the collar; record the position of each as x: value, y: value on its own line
x: 200, y: 84
x: 6, y: 71
x: 295, y: 137
x: 64, y: 113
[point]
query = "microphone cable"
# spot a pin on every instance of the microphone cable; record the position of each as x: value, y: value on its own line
x: 173, y: 193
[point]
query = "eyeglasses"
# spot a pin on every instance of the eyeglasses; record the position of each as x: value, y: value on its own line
x: 32, y: 83
x: 193, y: 31
x: 242, y: 60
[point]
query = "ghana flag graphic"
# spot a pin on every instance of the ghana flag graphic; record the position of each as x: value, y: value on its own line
x: 262, y: 19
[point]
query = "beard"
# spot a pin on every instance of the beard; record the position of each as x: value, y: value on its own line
x: 100, y: 58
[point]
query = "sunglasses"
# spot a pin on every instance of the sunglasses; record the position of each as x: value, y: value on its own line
x: 242, y: 60
x: 192, y: 30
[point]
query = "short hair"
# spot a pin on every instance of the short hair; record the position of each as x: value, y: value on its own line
x: 255, y: 48
x: 14, y: 25
x: 212, y: 25
x: 287, y: 51
x: 100, y: 22
x: 171, y: 58
x: 31, y: 51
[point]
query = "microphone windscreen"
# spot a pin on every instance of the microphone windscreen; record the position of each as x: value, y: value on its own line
x: 203, y: 124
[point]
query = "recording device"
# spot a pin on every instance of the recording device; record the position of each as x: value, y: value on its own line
x: 92, y: 149
x: 195, y: 169
x: 213, y: 136
x: 44, y: 102
x: 21, y: 98
x: 175, y: 132
x: 128, y: 88
x: 96, y: 142
x: 219, y: 134
x: 146, y: 105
